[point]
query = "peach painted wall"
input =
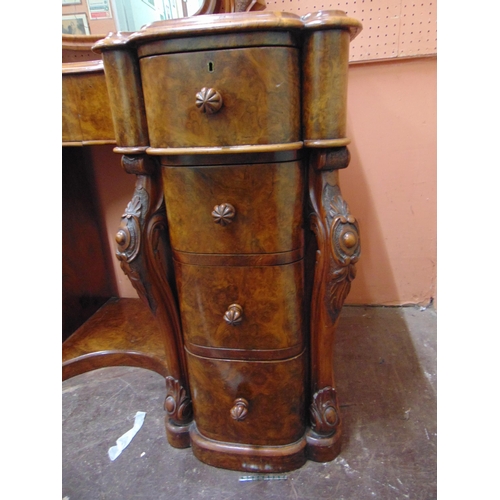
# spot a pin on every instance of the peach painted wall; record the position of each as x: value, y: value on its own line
x: 390, y: 184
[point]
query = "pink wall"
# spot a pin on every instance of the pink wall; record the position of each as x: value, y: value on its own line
x: 391, y: 181
x: 390, y: 184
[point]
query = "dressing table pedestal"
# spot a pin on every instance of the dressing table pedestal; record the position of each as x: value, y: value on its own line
x: 237, y: 236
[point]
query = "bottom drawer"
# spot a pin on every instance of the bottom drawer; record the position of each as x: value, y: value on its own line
x: 249, y: 402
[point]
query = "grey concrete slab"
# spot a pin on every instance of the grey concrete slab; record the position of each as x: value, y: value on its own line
x: 386, y: 380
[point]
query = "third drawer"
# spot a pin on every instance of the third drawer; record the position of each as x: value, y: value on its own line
x: 242, y: 312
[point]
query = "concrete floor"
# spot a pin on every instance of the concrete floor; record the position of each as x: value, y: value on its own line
x: 386, y: 381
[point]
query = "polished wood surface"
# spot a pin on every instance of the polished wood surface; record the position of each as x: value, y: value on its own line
x: 237, y: 236
x: 258, y: 90
x: 86, y: 113
x: 274, y: 391
x: 143, y: 249
x: 271, y: 308
x: 325, y: 85
x: 126, y: 99
x: 222, y: 41
x: 122, y: 333
x: 264, y: 222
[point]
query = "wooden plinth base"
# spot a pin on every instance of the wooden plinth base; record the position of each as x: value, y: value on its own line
x: 248, y: 458
x: 323, y: 449
x: 177, y: 435
x: 267, y: 459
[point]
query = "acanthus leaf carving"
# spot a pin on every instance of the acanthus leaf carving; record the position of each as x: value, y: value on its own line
x: 133, y: 208
x: 324, y: 411
x: 177, y: 403
x: 344, y: 246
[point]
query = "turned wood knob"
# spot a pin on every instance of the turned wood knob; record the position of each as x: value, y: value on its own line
x: 121, y: 237
x: 350, y: 239
x: 208, y: 101
x: 223, y: 214
x: 239, y: 410
x: 234, y: 314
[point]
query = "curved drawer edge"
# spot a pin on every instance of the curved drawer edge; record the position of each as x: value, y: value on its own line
x: 244, y: 354
x: 217, y: 150
x: 257, y: 259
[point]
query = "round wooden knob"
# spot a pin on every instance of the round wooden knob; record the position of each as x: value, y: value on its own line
x: 223, y: 214
x: 350, y: 239
x: 239, y: 410
x: 234, y: 314
x: 121, y: 237
x: 208, y: 101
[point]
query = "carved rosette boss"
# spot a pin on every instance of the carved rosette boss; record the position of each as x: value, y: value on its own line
x: 345, y: 246
x: 143, y: 250
x: 128, y: 239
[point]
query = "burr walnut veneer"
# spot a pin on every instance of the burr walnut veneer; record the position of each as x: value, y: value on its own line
x: 237, y: 236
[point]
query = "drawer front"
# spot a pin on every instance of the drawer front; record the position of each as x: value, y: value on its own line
x: 267, y: 203
x: 270, y: 314
x: 86, y: 113
x: 260, y: 403
x: 259, y: 88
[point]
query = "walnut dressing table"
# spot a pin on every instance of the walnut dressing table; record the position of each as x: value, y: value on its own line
x: 237, y: 236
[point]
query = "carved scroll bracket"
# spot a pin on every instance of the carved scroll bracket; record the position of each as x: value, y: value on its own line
x: 144, y: 252
x: 338, y: 249
x: 344, y: 249
x: 338, y: 241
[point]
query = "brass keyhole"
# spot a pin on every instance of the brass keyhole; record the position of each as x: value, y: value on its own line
x: 210, y: 67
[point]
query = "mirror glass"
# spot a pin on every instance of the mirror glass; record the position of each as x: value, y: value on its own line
x: 96, y: 17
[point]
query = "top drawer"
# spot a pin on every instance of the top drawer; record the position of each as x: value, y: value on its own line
x: 258, y: 88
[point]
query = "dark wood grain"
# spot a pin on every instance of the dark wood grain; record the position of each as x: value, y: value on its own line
x: 228, y: 41
x: 247, y: 259
x: 143, y: 250
x: 338, y: 249
x: 230, y: 159
x: 326, y: 58
x: 274, y: 390
x: 120, y: 333
x: 259, y: 88
x: 86, y: 113
x: 270, y: 297
x: 126, y: 99
x: 246, y: 457
x: 222, y: 106
x: 267, y: 199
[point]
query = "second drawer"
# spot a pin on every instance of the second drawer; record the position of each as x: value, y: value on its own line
x: 267, y: 203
